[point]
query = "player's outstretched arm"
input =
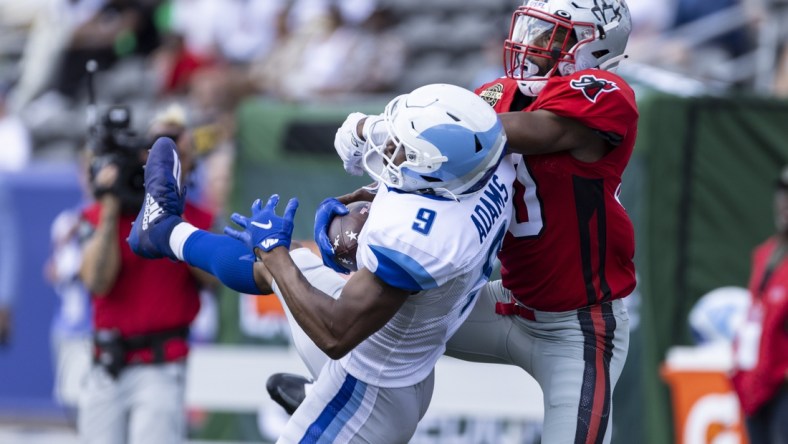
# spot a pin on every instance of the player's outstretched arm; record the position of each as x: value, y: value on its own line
x: 544, y: 132
x: 336, y: 326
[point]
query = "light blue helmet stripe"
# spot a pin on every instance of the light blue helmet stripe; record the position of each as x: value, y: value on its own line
x: 400, y: 270
x: 458, y: 144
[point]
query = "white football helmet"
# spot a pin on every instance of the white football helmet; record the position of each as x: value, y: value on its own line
x: 442, y: 139
x: 565, y: 36
x: 719, y: 314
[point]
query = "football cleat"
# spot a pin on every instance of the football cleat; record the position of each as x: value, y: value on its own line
x: 164, y: 200
x: 288, y: 390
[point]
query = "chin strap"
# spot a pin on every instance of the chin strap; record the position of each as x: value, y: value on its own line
x: 446, y: 193
x: 372, y: 188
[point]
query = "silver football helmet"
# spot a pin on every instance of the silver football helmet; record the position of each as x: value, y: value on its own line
x: 549, y: 36
x: 442, y: 139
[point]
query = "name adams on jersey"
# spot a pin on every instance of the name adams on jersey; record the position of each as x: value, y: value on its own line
x: 492, y: 203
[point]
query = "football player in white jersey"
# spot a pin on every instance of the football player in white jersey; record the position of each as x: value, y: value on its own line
x: 426, y: 250
x: 568, y: 261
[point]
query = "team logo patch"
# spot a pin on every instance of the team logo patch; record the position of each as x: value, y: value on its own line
x: 492, y: 94
x: 592, y: 87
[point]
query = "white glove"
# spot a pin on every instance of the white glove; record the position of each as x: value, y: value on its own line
x: 350, y: 146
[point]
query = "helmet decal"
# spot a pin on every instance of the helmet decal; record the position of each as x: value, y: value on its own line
x: 605, y: 11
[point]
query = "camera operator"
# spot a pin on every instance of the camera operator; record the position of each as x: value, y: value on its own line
x: 142, y: 309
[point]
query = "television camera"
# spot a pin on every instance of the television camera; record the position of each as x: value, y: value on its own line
x: 112, y: 141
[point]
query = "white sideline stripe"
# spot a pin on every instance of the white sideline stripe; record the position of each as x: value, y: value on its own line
x: 231, y: 378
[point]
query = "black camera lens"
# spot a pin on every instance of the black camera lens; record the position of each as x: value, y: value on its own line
x: 118, y: 116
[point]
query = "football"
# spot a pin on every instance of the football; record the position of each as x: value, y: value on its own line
x: 344, y: 230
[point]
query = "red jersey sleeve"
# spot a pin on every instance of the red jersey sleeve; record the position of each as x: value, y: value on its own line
x: 599, y: 99
x: 499, y: 94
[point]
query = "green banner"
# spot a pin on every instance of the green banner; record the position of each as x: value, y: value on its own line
x: 711, y: 166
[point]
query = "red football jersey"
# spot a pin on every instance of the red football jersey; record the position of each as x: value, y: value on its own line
x: 761, y: 361
x: 148, y: 295
x: 571, y: 243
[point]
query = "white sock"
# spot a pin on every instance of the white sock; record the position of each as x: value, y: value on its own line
x: 178, y: 237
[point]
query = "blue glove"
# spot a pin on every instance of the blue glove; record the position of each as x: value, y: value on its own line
x: 265, y: 230
x: 329, y: 208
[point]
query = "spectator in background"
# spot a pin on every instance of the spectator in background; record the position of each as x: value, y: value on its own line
x: 118, y: 28
x: 71, y: 326
x: 68, y: 33
x: 209, y: 46
x: 301, y: 24
x: 15, y: 153
x: 9, y: 249
x: 142, y: 310
x: 379, y: 56
x: 330, y: 48
x: 51, y: 30
x: 16, y: 148
x: 760, y: 350
x: 359, y: 55
x: 734, y: 43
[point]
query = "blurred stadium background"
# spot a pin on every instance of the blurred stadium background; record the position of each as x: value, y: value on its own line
x: 266, y: 84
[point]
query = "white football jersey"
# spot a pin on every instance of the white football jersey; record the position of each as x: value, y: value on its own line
x: 442, y: 250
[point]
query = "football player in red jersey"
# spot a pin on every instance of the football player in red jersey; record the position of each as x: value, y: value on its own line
x: 567, y: 260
